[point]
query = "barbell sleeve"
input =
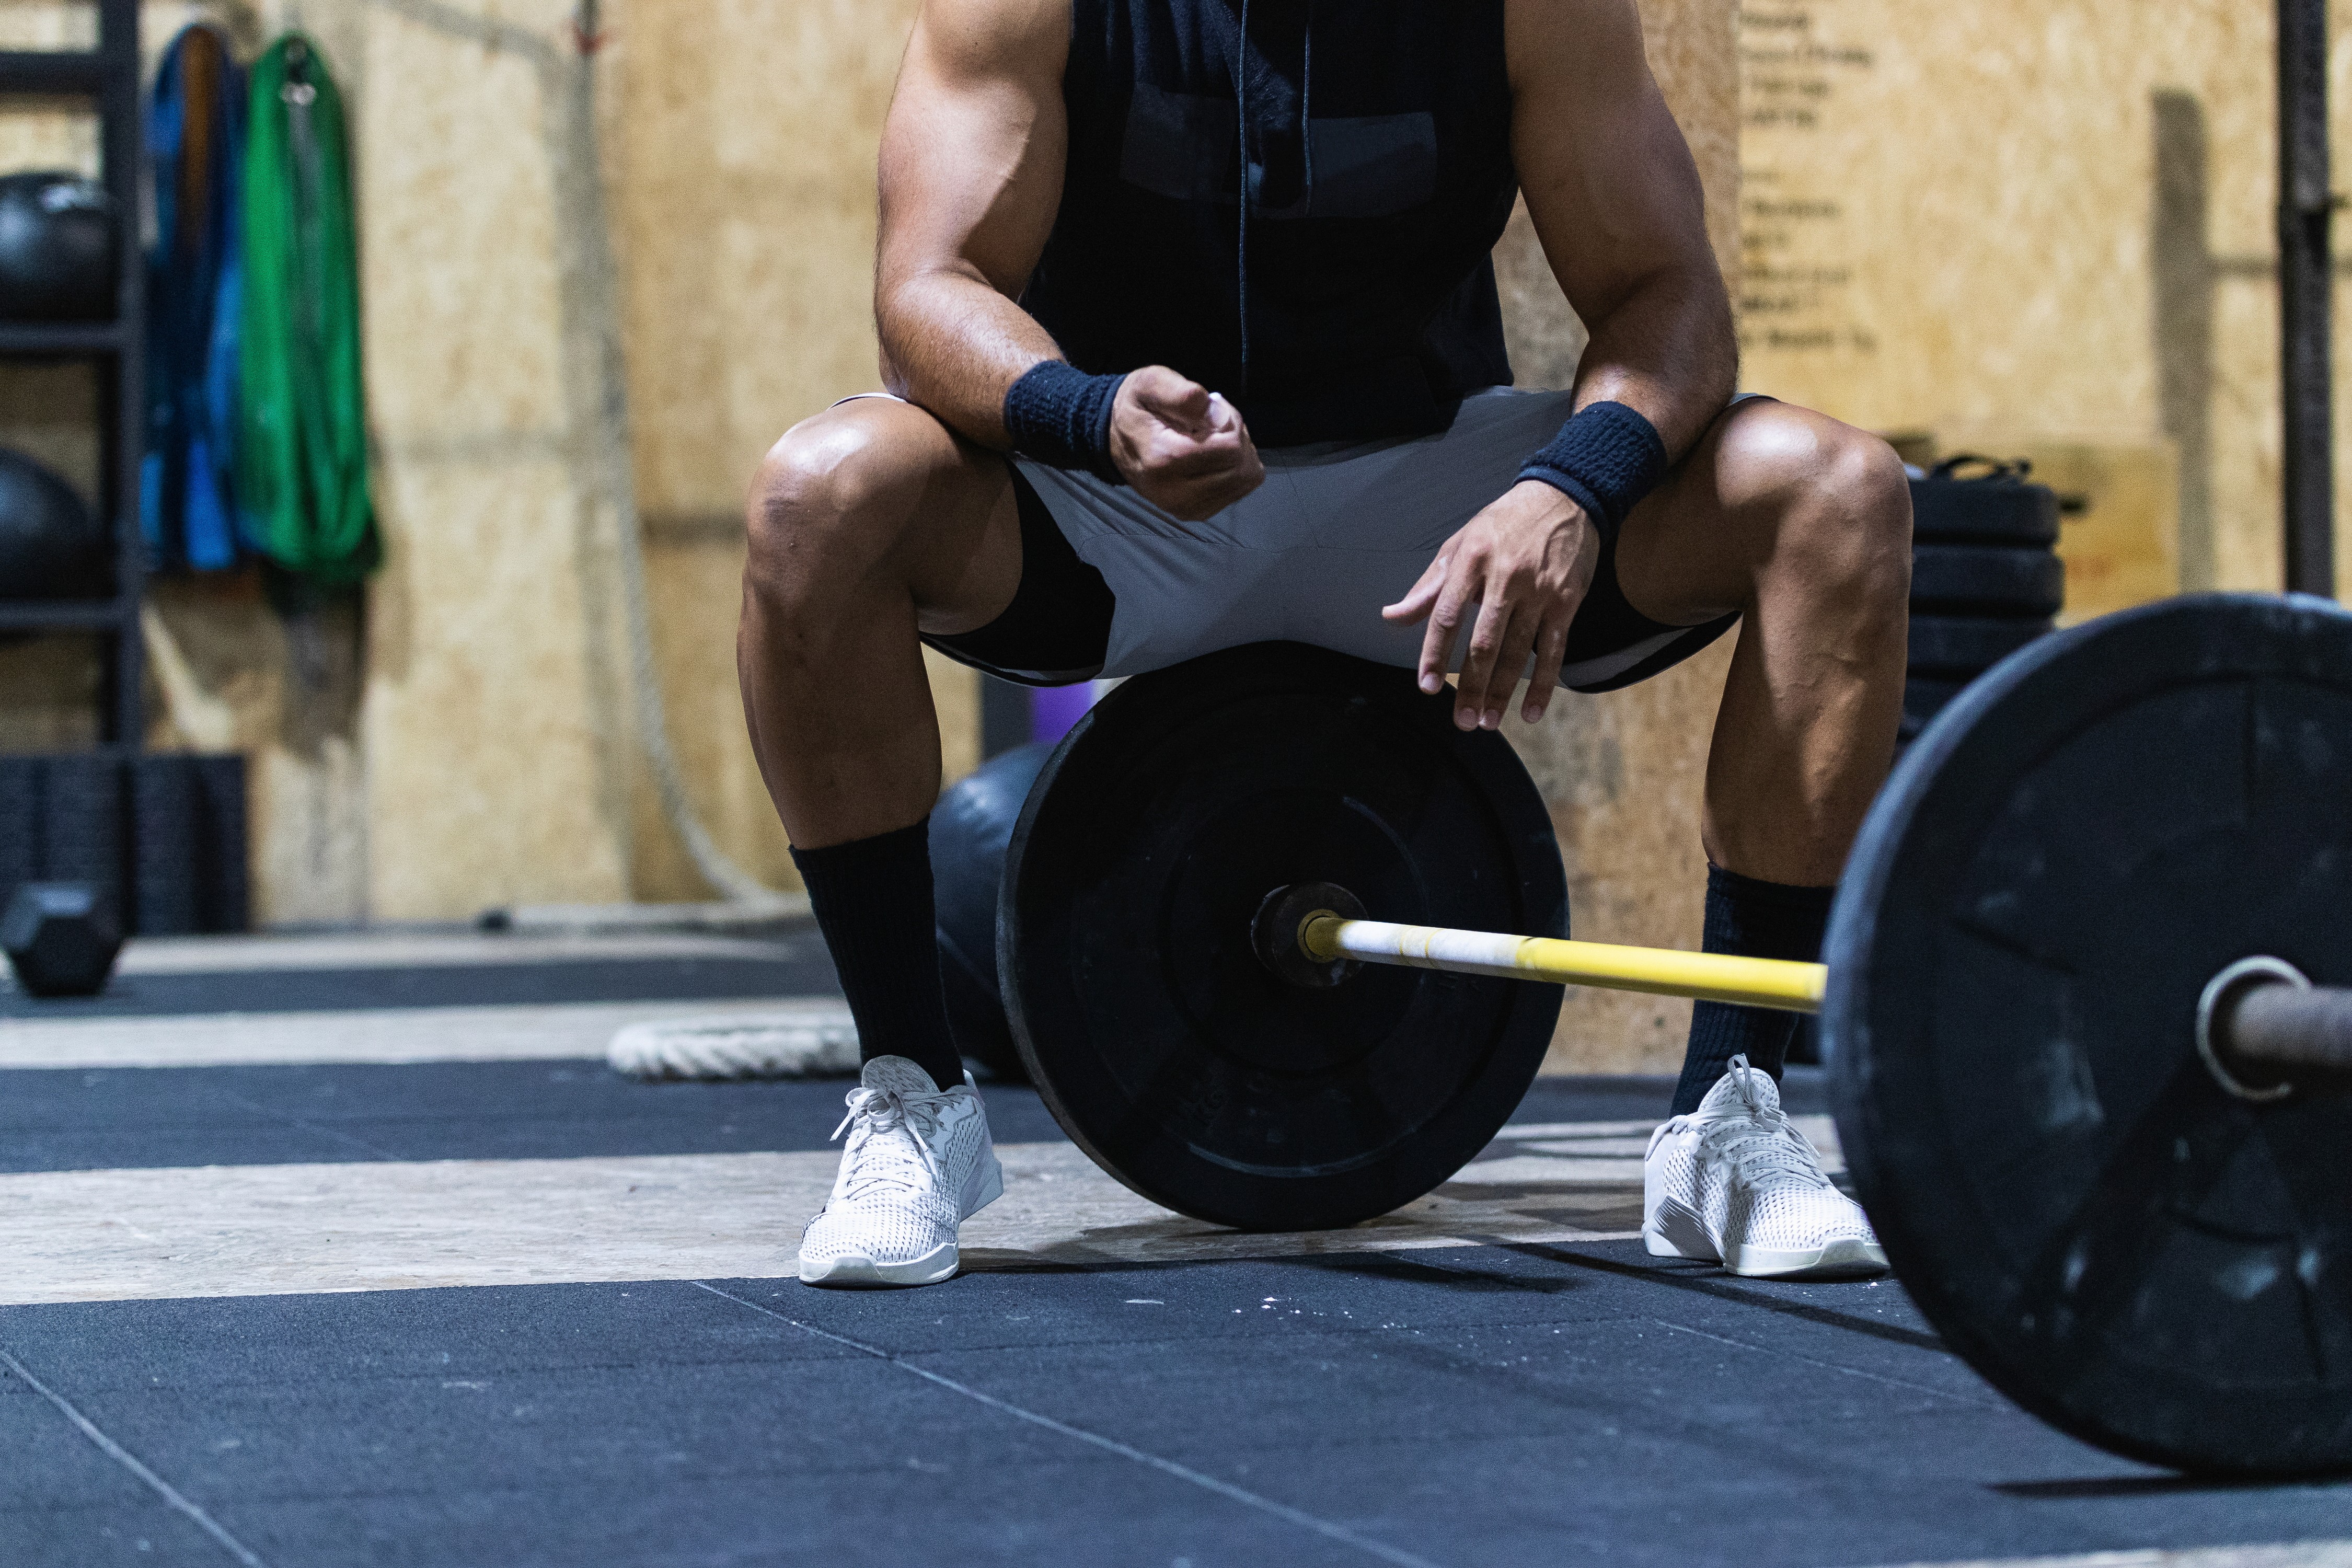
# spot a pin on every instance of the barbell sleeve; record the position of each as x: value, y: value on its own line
x: 2292, y: 1027
x: 1772, y: 983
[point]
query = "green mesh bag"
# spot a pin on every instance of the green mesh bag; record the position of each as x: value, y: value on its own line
x: 301, y: 457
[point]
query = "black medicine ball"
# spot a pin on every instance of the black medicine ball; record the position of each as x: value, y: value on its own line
x: 59, y: 247
x: 50, y: 545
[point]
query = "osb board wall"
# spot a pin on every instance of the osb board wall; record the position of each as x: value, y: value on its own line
x: 490, y: 756
x: 1624, y: 774
x: 741, y: 177
x: 2026, y: 225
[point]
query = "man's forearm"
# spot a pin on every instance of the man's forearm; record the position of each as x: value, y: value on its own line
x: 1666, y: 351
x: 952, y: 344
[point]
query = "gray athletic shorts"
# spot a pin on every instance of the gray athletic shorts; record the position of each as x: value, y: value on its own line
x: 1337, y: 530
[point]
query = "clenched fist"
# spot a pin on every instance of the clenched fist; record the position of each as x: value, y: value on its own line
x: 1180, y: 445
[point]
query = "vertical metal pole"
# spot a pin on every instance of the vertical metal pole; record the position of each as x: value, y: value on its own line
x: 121, y: 152
x: 2306, y: 207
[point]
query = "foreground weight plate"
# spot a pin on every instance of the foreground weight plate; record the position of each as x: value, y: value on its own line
x: 1163, y: 1046
x: 2064, y: 858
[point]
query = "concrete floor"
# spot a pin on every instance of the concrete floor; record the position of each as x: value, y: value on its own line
x: 352, y: 1251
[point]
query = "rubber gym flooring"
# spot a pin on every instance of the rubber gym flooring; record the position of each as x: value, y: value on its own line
x: 352, y: 1250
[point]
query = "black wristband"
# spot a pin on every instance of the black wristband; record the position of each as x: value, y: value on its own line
x: 1060, y: 415
x: 1605, y: 458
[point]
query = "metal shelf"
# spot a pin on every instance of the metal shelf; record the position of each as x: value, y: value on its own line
x: 66, y: 615
x: 45, y: 340
x: 109, y: 75
x: 66, y: 73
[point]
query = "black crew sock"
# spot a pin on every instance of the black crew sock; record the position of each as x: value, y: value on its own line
x: 1753, y: 920
x: 872, y: 898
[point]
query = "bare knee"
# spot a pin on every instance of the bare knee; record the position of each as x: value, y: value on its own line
x: 833, y: 498
x: 1837, y: 502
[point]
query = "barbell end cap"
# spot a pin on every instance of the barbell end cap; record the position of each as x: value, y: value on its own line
x: 1321, y: 952
x: 2220, y: 993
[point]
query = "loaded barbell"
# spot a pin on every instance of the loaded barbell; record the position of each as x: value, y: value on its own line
x: 2080, y: 1067
x: 2261, y: 1026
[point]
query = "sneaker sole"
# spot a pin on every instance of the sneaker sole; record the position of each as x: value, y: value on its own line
x: 1843, y: 1259
x: 1672, y: 1231
x: 855, y: 1270
x: 987, y: 1185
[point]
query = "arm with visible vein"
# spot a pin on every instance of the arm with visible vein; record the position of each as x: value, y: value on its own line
x: 971, y: 178
x: 1616, y: 200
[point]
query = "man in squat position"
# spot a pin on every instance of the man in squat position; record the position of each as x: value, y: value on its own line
x: 1193, y: 340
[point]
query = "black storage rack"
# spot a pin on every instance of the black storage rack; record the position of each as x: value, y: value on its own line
x: 110, y: 74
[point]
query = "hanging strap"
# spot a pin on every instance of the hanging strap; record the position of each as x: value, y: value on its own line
x: 302, y: 482
x: 195, y: 133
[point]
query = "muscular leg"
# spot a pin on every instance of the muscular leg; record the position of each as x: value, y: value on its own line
x: 868, y: 522
x: 1802, y: 525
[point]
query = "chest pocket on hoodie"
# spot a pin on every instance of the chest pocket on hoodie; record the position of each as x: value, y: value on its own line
x: 1372, y: 166
x: 1180, y: 145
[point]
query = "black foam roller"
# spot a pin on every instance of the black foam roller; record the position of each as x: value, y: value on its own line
x: 222, y: 873
x: 82, y: 823
x: 189, y: 865
x: 163, y: 855
x: 20, y: 823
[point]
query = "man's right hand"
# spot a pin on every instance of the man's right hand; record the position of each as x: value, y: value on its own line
x: 1181, y: 446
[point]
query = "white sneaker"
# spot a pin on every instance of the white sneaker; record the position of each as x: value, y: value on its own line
x: 918, y: 1162
x: 1733, y: 1183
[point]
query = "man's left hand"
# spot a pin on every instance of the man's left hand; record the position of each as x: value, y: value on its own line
x: 1526, y: 563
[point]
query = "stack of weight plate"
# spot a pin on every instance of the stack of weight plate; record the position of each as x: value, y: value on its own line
x: 1985, y: 580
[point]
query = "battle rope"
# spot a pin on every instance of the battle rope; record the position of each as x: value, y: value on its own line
x: 598, y: 281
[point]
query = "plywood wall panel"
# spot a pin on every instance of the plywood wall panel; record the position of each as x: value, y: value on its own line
x: 231, y: 674
x: 743, y: 206
x: 48, y: 133
x: 1953, y: 225
x: 497, y: 715
x: 490, y: 779
x: 49, y: 24
x: 746, y: 221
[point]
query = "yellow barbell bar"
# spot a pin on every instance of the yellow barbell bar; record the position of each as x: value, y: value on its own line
x: 1327, y: 938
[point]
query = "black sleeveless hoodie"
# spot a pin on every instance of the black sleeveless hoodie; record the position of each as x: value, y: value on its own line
x: 1353, y: 297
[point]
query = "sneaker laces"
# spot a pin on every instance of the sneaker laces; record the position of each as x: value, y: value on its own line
x: 1764, y: 1142
x: 883, y: 1111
